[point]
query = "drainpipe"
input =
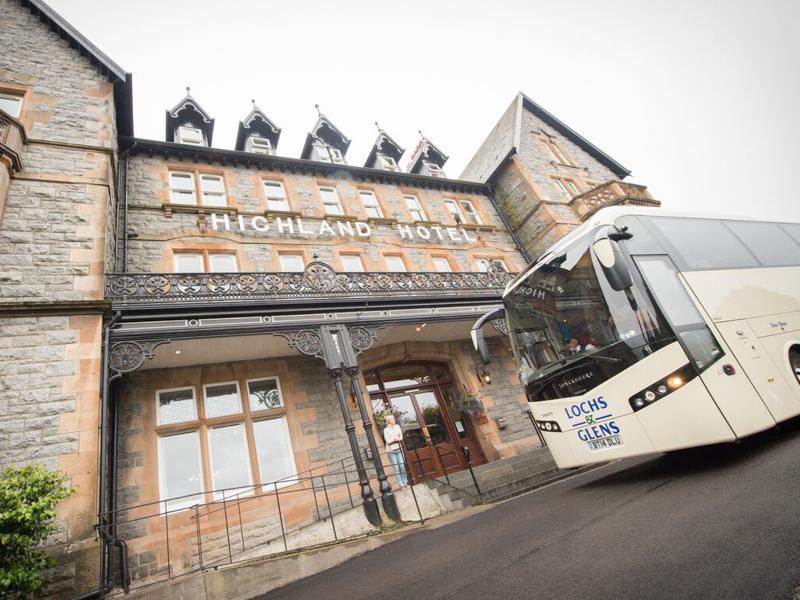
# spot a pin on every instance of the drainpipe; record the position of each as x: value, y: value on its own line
x: 123, y: 157
x: 105, y: 556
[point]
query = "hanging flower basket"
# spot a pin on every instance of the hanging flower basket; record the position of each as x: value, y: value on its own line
x: 470, y: 403
x: 380, y: 416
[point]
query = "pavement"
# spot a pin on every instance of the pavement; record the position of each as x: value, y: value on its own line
x: 715, y: 522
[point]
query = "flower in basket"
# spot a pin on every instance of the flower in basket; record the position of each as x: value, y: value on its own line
x: 470, y: 403
x: 380, y: 416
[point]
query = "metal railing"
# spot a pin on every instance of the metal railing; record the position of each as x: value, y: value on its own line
x: 163, y: 539
x: 318, y: 280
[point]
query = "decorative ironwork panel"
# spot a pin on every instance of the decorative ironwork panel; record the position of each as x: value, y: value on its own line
x: 305, y: 341
x: 318, y: 280
x: 124, y: 357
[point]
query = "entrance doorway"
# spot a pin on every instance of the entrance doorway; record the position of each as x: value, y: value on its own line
x: 423, y: 395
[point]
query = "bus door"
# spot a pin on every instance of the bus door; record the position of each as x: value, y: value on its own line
x: 720, y: 372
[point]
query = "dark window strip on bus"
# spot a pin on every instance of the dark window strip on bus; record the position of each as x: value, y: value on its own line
x: 711, y: 244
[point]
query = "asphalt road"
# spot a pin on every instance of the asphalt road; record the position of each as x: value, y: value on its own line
x: 717, y: 522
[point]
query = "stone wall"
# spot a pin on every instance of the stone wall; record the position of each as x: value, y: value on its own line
x: 585, y: 170
x: 56, y: 237
x: 495, y: 147
x: 161, y: 228
x: 49, y: 389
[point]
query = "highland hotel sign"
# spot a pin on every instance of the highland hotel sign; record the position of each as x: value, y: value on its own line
x: 296, y: 225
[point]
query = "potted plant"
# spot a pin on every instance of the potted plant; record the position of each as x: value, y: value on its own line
x: 470, y: 403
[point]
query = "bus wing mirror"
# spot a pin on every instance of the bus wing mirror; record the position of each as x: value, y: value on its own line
x: 609, y: 256
x: 476, y: 333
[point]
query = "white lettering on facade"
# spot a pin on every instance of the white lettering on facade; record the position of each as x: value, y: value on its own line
x: 453, y: 234
x: 215, y: 219
x: 283, y: 225
x: 260, y: 223
x: 345, y: 226
x: 352, y: 228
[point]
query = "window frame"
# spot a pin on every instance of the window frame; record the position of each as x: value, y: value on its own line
x: 197, y: 416
x: 434, y: 170
x: 247, y: 489
x: 286, y: 481
x: 223, y: 194
x: 173, y: 189
x: 325, y: 204
x: 555, y: 151
x: 400, y: 257
x: 452, y: 201
x: 206, y: 258
x: 356, y: 255
x: 253, y: 143
x: 474, y: 216
x: 389, y: 163
x: 190, y: 501
x: 377, y: 206
x: 439, y: 257
x: 187, y: 128
x: 299, y: 255
x: 213, y: 419
x: 20, y: 98
x: 419, y: 208
x: 489, y: 260
x: 282, y: 184
x: 260, y: 411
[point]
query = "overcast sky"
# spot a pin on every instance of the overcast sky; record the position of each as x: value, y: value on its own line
x: 701, y: 100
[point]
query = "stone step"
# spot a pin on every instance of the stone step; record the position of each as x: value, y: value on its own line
x: 498, y: 475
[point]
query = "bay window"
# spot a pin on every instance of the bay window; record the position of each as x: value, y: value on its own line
x: 242, y: 445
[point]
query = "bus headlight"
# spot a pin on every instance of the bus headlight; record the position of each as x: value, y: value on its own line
x: 548, y: 425
x: 663, y: 388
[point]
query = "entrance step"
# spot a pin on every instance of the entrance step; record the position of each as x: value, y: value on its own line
x: 499, y: 480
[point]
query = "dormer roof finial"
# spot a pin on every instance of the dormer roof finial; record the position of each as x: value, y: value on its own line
x: 187, y: 90
x: 379, y: 127
x: 319, y: 112
x: 421, y: 135
x: 253, y: 100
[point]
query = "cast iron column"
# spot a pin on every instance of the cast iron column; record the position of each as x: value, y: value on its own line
x: 370, y: 505
x: 387, y: 496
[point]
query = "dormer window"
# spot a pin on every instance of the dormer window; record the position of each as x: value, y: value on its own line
x: 434, y: 170
x: 388, y: 163
x: 336, y: 156
x: 258, y: 145
x: 190, y: 135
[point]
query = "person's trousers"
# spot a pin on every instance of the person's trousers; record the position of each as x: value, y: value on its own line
x: 398, y: 462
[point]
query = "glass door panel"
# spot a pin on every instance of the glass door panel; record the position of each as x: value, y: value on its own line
x: 413, y: 435
x: 432, y: 415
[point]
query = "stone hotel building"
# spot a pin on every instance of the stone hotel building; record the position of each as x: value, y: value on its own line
x: 194, y: 333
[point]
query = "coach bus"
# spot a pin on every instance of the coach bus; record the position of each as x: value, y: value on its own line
x: 647, y: 331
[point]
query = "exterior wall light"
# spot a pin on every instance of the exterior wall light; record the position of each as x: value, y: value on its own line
x: 483, y: 374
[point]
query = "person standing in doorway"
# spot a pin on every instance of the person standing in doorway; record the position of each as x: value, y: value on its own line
x: 393, y: 435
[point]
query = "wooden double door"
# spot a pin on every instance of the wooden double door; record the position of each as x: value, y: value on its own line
x: 434, y: 431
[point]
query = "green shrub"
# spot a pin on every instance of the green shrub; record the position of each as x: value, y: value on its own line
x: 28, y: 498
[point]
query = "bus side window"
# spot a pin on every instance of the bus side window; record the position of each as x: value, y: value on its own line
x: 676, y: 305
